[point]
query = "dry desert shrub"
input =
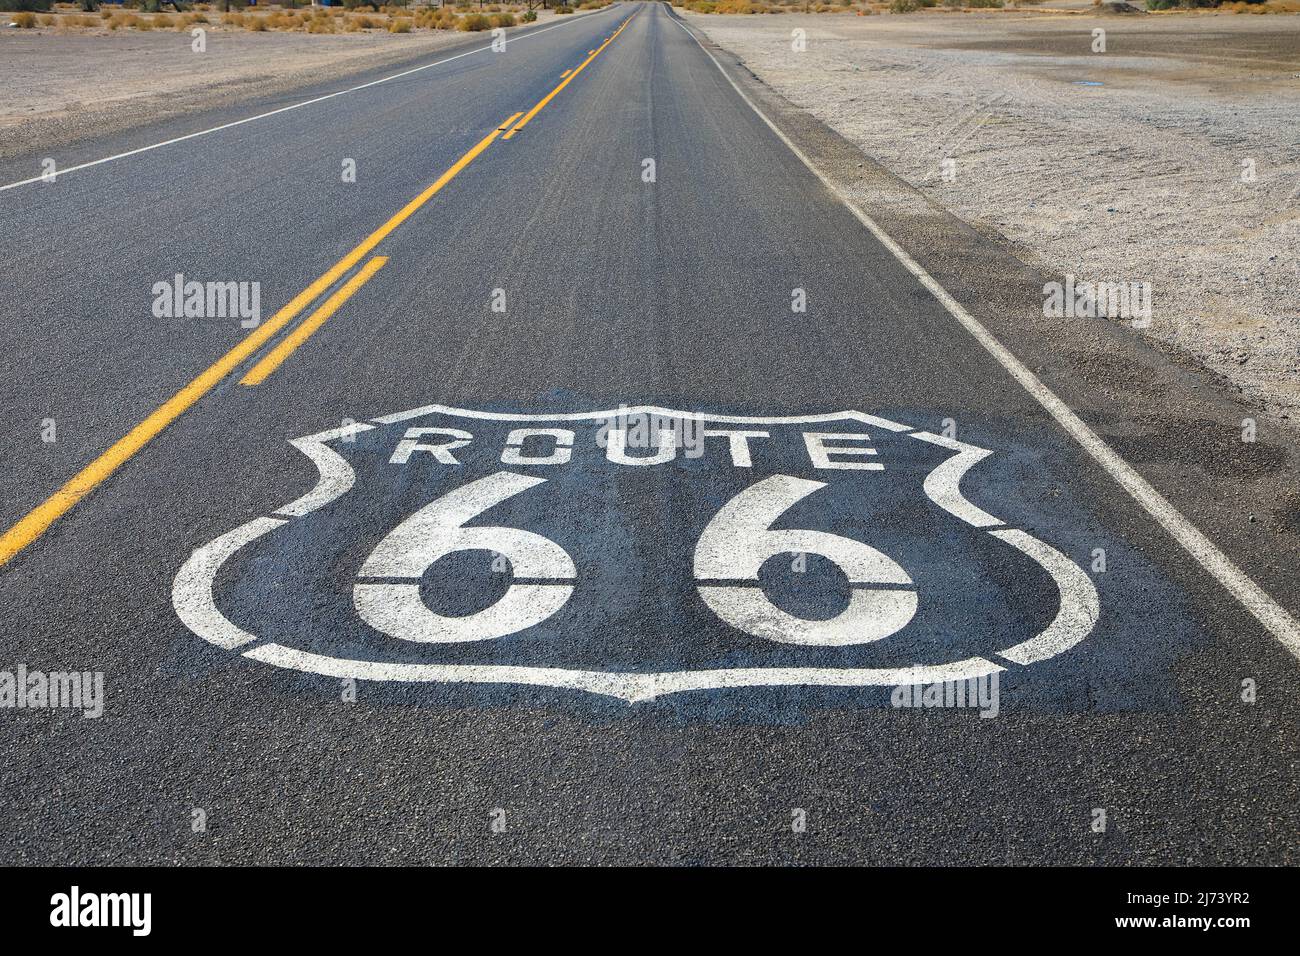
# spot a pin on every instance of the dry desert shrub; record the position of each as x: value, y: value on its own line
x: 1271, y: 6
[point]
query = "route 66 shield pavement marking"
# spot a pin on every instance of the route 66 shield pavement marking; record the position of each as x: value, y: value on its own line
x: 729, y: 552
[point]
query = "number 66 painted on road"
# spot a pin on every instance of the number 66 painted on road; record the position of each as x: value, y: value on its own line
x: 732, y: 549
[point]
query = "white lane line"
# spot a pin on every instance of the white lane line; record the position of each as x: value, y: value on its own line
x: 284, y: 109
x: 1275, y: 619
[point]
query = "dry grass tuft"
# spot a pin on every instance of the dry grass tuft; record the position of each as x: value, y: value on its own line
x: 1272, y: 6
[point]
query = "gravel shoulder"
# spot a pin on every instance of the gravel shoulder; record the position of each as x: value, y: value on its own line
x: 1125, y: 166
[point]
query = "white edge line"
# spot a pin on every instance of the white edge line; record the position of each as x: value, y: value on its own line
x: 59, y: 173
x: 1275, y: 619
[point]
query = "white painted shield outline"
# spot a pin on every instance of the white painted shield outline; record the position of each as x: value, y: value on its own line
x: 195, y: 603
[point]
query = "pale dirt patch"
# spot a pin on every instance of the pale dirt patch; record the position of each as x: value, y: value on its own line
x: 1137, y: 178
x: 57, y: 87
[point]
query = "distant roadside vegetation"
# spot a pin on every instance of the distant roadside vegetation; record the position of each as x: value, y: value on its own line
x: 777, y: 6
x: 350, y: 16
x: 1230, y: 6
x: 868, y: 7
x: 860, y: 7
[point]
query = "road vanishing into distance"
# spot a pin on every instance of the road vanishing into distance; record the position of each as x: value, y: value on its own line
x: 585, y: 480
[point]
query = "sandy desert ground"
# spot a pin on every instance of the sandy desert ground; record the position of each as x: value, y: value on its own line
x: 1128, y: 165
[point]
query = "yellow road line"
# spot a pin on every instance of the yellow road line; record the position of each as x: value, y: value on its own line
x: 565, y: 82
x: 36, y: 522
x: 32, y: 525
x: 309, y: 325
x: 506, y: 125
x: 562, y: 76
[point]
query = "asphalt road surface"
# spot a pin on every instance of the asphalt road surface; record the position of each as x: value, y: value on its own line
x: 591, y: 481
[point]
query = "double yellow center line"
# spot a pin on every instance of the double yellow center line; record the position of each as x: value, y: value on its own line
x: 568, y: 78
x: 37, y: 521
x: 313, y: 322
